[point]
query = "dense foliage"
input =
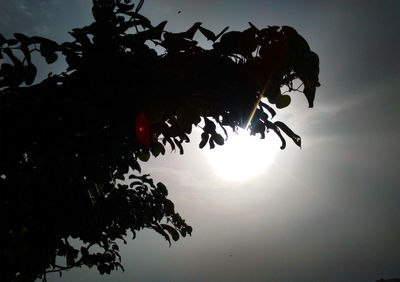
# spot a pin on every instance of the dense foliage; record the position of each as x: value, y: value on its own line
x: 67, y: 142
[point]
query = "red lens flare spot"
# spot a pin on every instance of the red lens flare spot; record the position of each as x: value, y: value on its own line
x: 142, y: 129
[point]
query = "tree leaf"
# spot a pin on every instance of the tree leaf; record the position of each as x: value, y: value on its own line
x: 163, y: 190
x: 156, y: 227
x: 157, y: 149
x: 189, y: 230
x: 221, y: 33
x: 139, y: 6
x: 17, y: 63
x: 309, y: 92
x: 174, y: 234
x: 296, y: 139
x: 272, y: 126
x: 212, y: 143
x: 153, y: 33
x: 179, y: 145
x: 144, y: 156
x: 124, y: 7
x: 12, y: 76
x: 218, y: 139
x: 12, y: 42
x: 170, y: 142
x: 47, y: 47
x: 282, y: 101
x: 135, y: 165
x: 268, y: 108
x: 2, y: 39
x: 135, y: 183
x: 30, y: 74
x: 207, y: 33
x: 22, y: 38
x: 204, y: 140
x: 209, y: 126
x: 51, y: 58
x: 190, y: 32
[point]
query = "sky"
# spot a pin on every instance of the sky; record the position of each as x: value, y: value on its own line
x: 327, y: 212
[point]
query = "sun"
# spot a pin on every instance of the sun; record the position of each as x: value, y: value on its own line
x: 242, y: 156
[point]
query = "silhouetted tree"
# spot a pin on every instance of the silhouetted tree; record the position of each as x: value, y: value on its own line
x: 67, y: 142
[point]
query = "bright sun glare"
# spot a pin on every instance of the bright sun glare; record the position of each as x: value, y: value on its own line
x: 242, y: 156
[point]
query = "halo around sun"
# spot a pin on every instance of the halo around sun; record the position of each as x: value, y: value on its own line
x: 242, y: 156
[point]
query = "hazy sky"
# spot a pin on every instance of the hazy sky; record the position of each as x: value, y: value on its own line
x: 327, y: 212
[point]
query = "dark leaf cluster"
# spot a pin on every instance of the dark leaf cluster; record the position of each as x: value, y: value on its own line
x: 70, y: 145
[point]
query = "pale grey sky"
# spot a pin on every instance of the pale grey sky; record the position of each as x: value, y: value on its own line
x: 327, y: 212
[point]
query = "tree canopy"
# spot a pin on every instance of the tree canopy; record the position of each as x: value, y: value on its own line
x: 70, y: 145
